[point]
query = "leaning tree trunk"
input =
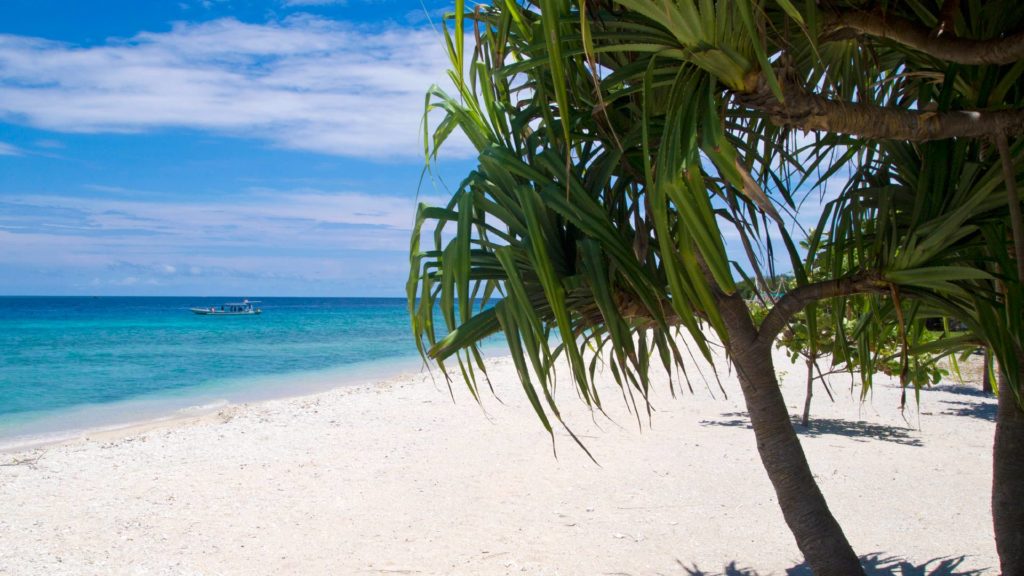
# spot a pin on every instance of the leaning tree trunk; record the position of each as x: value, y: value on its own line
x: 818, y: 535
x: 1008, y: 480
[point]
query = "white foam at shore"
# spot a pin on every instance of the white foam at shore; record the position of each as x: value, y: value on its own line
x: 29, y: 430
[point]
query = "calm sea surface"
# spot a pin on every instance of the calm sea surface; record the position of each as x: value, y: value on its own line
x: 79, y: 362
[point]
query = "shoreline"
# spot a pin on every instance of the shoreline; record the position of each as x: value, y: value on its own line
x: 79, y: 364
x: 186, y: 417
x: 199, y: 402
x: 392, y: 476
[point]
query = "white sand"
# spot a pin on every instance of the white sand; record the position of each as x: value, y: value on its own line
x: 393, y: 478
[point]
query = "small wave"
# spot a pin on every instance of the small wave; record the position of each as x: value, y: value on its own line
x: 203, y: 408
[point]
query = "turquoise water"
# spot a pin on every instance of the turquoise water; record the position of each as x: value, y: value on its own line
x: 68, y: 363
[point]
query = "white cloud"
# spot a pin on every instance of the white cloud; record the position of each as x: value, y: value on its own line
x: 310, y: 218
x: 343, y: 242
x: 9, y: 150
x: 304, y: 83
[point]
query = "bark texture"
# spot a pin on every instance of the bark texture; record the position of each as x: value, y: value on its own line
x: 817, y: 533
x: 806, y: 418
x: 986, y: 377
x: 1008, y: 481
x: 1002, y: 50
x: 798, y: 298
x: 807, y: 111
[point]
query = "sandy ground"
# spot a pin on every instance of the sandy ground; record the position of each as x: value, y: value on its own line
x: 394, y: 478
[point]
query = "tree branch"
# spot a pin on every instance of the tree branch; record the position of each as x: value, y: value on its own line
x: 795, y: 300
x: 813, y: 112
x: 1005, y: 50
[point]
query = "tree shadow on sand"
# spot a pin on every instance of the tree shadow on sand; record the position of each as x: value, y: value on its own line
x: 962, y: 390
x: 983, y: 411
x: 875, y: 564
x: 860, y: 431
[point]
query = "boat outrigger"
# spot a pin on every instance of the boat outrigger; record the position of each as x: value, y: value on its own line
x: 243, y: 308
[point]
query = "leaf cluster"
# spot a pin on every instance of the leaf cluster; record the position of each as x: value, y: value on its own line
x: 619, y: 143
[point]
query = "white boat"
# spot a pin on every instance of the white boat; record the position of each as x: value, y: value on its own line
x: 243, y: 308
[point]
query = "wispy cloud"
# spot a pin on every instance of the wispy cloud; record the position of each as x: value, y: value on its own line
x: 344, y: 242
x: 9, y: 150
x: 303, y: 83
x: 422, y: 15
x: 49, y: 143
x: 262, y: 217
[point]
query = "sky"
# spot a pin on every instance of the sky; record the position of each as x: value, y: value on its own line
x: 242, y: 148
x: 215, y: 147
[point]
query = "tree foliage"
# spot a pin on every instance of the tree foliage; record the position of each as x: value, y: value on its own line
x: 619, y: 142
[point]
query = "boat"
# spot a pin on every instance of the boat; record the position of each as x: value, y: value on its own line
x: 243, y: 308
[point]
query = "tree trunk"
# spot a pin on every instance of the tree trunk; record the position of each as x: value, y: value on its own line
x: 986, y: 373
x: 1008, y: 481
x: 810, y: 392
x: 818, y: 535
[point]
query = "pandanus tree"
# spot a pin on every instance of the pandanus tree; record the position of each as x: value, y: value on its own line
x: 937, y: 212
x: 618, y: 141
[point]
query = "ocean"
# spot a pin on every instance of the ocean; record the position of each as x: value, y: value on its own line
x: 73, y: 363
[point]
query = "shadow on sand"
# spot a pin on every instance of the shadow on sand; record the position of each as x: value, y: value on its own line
x: 983, y: 411
x: 875, y: 564
x: 962, y: 390
x: 861, y: 431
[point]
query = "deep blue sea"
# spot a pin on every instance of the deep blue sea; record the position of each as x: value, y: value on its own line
x: 72, y: 363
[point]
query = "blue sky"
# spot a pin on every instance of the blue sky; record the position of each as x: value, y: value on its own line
x: 228, y: 147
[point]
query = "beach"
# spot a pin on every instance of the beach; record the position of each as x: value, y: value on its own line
x: 393, y: 477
